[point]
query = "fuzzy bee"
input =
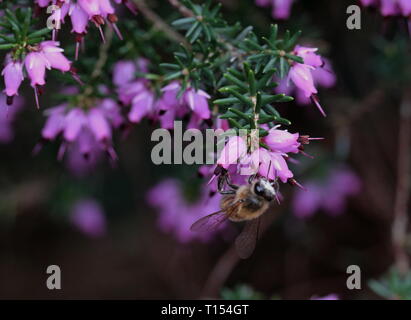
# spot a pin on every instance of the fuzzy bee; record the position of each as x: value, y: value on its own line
x: 241, y: 203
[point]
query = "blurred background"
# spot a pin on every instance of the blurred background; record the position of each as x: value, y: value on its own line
x: 113, y: 237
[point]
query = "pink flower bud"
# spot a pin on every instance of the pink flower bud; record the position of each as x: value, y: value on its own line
x: 13, y: 77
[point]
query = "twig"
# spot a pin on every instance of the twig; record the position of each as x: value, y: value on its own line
x: 182, y: 8
x: 227, y: 263
x: 158, y: 22
x: 400, y: 223
x: 102, y: 59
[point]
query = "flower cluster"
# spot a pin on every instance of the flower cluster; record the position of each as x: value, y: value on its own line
x: 322, y: 76
x: 315, y: 71
x: 270, y: 162
x: 81, y: 12
x: 329, y: 194
x: 165, y: 108
x: 46, y: 55
x: 390, y: 7
x: 281, y: 9
x: 176, y: 214
x: 86, y: 132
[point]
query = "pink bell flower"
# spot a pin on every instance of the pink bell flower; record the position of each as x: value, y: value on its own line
x: 282, y: 141
x: 54, y: 55
x: 13, y: 77
x: 198, y: 102
x: 235, y: 149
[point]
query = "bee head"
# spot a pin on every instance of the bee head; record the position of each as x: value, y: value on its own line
x: 263, y: 188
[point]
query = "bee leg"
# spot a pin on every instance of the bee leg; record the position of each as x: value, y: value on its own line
x: 220, y: 183
x: 227, y: 192
x: 229, y: 183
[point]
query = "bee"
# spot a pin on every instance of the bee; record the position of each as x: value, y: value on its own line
x: 241, y: 203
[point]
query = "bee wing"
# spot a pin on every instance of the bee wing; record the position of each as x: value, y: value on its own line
x: 246, y: 241
x: 212, y: 221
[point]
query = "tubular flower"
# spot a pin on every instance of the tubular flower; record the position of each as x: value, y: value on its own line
x: 270, y: 162
x: 281, y: 9
x: 86, y: 131
x: 329, y: 194
x: 305, y: 75
x: 390, y: 7
x: 176, y: 214
x: 323, y: 77
x: 46, y: 55
x: 81, y: 12
x: 13, y: 77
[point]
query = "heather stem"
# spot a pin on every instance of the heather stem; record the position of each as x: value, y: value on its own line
x: 226, y: 264
x: 158, y: 22
x: 400, y: 223
x: 103, y: 56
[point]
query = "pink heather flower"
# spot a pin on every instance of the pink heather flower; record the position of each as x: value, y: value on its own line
x: 124, y: 71
x: 323, y: 76
x: 91, y: 7
x: 271, y: 165
x: 302, y: 75
x: 36, y: 64
x: 176, y: 214
x: 194, y: 102
x: 281, y: 9
x: 79, y: 19
x: 13, y: 77
x: 329, y: 195
x: 197, y: 100
x: 88, y: 216
x: 268, y: 163
x: 54, y: 55
x: 390, y: 7
x: 331, y: 296
x: 235, y: 149
x: 142, y: 105
x: 405, y: 6
x: 7, y: 117
x: 282, y: 141
x: 309, y: 56
x: 47, y: 55
x: 84, y: 132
